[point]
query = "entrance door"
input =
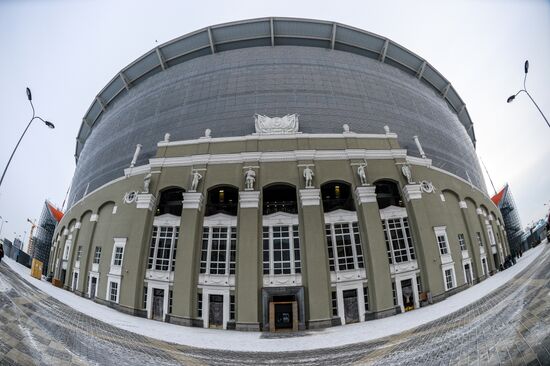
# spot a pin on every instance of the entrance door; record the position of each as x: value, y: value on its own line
x: 158, y: 304
x: 408, y: 297
x: 468, y: 274
x: 215, y: 314
x: 93, y: 286
x: 351, y: 306
x: 75, y: 280
x: 284, y: 318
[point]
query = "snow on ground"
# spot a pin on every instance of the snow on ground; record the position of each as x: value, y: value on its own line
x: 252, y: 341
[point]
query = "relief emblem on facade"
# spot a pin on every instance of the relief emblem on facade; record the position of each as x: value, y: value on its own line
x: 276, y: 125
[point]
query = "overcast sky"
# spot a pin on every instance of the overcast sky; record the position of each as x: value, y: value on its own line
x: 66, y: 51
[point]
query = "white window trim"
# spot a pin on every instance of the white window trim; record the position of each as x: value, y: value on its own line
x: 119, y: 243
x: 353, y: 247
x: 108, y: 294
x: 67, y: 249
x: 219, y: 220
x: 399, y: 290
x: 449, y: 266
x: 165, y: 220
x: 74, y: 286
x: 214, y: 290
x: 395, y: 214
x: 91, y: 275
x: 442, y: 231
x: 354, y: 285
x: 464, y: 263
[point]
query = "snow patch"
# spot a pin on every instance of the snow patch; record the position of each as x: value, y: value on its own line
x: 253, y: 341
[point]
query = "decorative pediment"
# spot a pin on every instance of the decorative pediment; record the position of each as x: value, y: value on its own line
x: 167, y: 220
x: 393, y: 212
x: 276, y: 125
x: 280, y: 218
x: 340, y: 215
x: 220, y: 219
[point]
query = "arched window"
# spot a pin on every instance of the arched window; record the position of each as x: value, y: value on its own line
x: 279, y: 198
x: 337, y: 195
x: 222, y: 199
x: 387, y: 194
x: 170, y: 202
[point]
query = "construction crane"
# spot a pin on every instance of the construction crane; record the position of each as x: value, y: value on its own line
x: 30, y: 247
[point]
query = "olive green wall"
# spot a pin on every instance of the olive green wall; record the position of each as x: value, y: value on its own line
x: 136, y: 224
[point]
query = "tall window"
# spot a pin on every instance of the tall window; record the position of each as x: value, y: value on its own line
x: 366, y: 297
x: 162, y: 252
x: 281, y: 250
x: 199, y: 304
x: 97, y: 255
x: 462, y: 242
x: 344, y: 246
x: 479, y: 241
x: 334, y: 303
x: 218, y: 252
x: 79, y: 253
x: 442, y: 242
x: 117, y: 259
x: 398, y: 240
x: 231, y: 307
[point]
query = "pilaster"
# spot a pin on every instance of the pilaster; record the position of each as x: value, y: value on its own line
x: 378, y: 269
x: 186, y: 271
x: 316, y: 276
x: 248, y: 274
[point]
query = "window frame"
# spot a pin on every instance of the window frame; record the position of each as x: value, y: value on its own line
x: 462, y: 242
x: 404, y: 228
x: 97, y: 255
x: 358, y: 259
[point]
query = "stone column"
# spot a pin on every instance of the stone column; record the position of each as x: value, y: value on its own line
x: 315, y: 259
x: 376, y: 255
x: 85, y: 264
x: 70, y: 262
x: 249, y: 263
x: 186, y: 271
x: 428, y: 256
x: 472, y: 240
x: 131, y: 286
x: 488, y: 249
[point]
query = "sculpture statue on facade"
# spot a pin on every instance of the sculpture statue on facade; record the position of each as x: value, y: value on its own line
x: 146, y: 183
x: 196, y: 179
x: 308, y: 176
x: 406, y: 170
x: 345, y: 127
x: 166, y: 137
x: 362, y: 174
x: 249, y: 179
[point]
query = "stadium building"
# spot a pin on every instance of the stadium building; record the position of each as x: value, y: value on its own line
x: 276, y: 174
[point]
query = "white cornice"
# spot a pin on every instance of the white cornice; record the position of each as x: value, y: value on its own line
x: 340, y: 216
x: 280, y: 218
x: 220, y: 219
x: 393, y: 212
x: 167, y: 220
x: 280, y: 137
x: 277, y: 156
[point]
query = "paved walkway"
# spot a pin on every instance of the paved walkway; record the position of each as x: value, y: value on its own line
x: 507, y: 327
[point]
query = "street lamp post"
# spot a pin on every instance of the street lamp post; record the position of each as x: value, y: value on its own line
x: 512, y: 97
x: 47, y: 123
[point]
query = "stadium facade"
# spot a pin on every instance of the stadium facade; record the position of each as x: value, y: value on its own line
x: 276, y: 174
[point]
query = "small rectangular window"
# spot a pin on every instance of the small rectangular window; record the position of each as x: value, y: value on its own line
x: 79, y: 253
x: 199, y: 305
x: 97, y: 255
x: 113, y: 291
x: 334, y: 301
x: 462, y: 242
x: 442, y: 242
x: 479, y: 241
x: 366, y: 297
x: 449, y: 278
x: 145, y: 297
x: 170, y: 301
x: 117, y: 260
x: 394, y: 293
x: 232, y: 307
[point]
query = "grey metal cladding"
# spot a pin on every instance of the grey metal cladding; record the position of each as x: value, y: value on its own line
x: 223, y: 91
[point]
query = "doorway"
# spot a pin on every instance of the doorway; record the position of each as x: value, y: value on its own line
x: 93, y: 287
x: 468, y: 273
x: 158, y: 304
x: 215, y: 311
x: 351, y: 306
x: 407, y: 294
x: 75, y: 281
